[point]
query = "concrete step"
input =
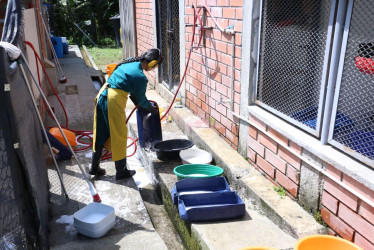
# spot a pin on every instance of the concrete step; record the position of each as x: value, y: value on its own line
x: 254, y: 229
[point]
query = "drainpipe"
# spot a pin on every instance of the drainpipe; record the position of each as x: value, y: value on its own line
x: 230, y: 31
x: 232, y: 72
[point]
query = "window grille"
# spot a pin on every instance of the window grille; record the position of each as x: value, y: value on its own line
x: 292, y: 58
x: 169, y: 41
x: 352, y: 122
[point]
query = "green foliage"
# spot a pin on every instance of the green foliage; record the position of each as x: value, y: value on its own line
x: 281, y: 191
x: 318, y: 217
x: 92, y: 16
x: 108, y: 42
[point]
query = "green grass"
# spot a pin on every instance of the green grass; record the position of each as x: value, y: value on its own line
x: 281, y: 191
x: 104, y: 56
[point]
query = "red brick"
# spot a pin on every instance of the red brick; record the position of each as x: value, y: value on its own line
x: 222, y: 2
x: 235, y: 129
x: 331, y: 232
x: 357, y: 222
x: 365, y: 191
x: 253, y: 144
x: 289, y: 185
x: 265, y: 166
x: 289, y: 157
x: 238, y: 3
x: 228, y: 13
x: 335, y: 172
x: 220, y: 127
x: 362, y: 242
x: 226, y: 122
x: 221, y: 46
x: 205, y: 107
x: 253, y: 132
x: 366, y: 211
x: 278, y: 135
x: 230, y: 136
x: 223, y: 90
x: 296, y: 147
x: 251, y: 155
x: 344, y: 230
x: 257, y: 123
x: 293, y: 174
x: 267, y: 142
x: 211, y: 3
x: 275, y: 161
x: 341, y: 193
x: 330, y: 202
x: 239, y: 14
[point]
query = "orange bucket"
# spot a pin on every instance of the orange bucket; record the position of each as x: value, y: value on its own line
x: 110, y: 68
x: 69, y: 135
x: 325, y: 242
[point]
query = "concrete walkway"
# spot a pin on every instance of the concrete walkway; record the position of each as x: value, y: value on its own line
x: 133, y: 228
x: 254, y: 229
x: 270, y: 220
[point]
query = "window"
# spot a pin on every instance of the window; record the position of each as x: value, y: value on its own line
x: 297, y: 45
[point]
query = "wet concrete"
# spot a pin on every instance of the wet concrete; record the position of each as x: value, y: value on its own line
x: 133, y: 226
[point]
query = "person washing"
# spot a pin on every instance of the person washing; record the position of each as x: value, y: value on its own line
x: 110, y: 130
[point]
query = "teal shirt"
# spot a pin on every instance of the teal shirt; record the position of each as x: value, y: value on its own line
x: 130, y: 78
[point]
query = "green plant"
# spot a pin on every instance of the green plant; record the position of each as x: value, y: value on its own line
x: 318, y: 217
x: 281, y: 191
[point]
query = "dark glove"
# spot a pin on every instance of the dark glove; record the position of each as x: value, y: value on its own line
x: 133, y: 99
x: 153, y: 109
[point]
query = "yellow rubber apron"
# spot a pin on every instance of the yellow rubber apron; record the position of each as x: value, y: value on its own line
x: 117, y: 142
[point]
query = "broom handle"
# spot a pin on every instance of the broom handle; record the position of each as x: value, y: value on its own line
x: 55, y: 118
x: 53, y: 49
x: 44, y: 129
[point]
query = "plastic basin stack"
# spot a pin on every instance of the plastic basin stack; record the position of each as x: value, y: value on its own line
x: 207, y: 199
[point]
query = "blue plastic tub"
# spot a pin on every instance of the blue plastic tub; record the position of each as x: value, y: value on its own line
x: 149, y: 127
x: 57, y: 45
x: 363, y: 142
x: 309, y: 117
x: 199, y: 186
x: 210, y: 206
x: 65, y: 48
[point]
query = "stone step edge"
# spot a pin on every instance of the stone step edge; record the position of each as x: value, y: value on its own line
x: 249, y: 183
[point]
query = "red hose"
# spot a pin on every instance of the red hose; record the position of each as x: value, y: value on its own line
x: 88, y: 134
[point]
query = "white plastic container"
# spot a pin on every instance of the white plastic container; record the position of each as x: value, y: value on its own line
x: 195, y: 156
x: 94, y: 220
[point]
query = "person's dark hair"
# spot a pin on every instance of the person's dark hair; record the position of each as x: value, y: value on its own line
x: 148, y: 56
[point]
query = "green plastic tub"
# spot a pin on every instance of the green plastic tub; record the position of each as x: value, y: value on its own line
x: 197, y: 171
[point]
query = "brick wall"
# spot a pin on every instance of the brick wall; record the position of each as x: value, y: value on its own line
x: 347, y: 215
x: 275, y: 162
x: 144, y: 31
x: 208, y: 76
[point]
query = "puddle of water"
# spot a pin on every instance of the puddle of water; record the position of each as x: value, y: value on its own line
x: 67, y: 219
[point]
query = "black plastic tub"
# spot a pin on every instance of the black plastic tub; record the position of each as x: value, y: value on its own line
x: 169, y: 149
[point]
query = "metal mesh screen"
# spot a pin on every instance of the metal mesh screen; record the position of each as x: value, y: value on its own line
x: 11, y: 228
x: 292, y: 54
x: 169, y: 36
x: 164, y: 26
x: 175, y: 42
x: 355, y: 107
